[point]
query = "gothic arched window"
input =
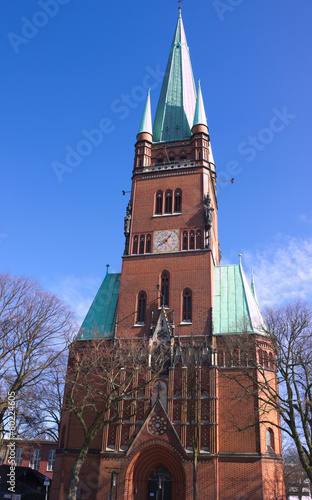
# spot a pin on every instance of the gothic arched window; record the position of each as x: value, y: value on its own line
x: 187, y: 305
x: 228, y: 359
x: 192, y: 240
x: 198, y: 239
x: 168, y: 202
x: 220, y: 358
x: 141, y: 307
x: 160, y: 391
x: 178, y: 200
x: 185, y: 241
x: 236, y: 357
x: 261, y: 358
x: 165, y: 282
x: 271, y: 361
x: 148, y: 243
x: 269, y: 440
x: 135, y: 244
x: 159, y: 203
x: 142, y: 244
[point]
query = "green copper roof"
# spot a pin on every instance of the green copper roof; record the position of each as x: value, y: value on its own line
x: 200, y: 115
x: 235, y: 308
x: 146, y: 122
x: 101, y: 317
x: 176, y: 106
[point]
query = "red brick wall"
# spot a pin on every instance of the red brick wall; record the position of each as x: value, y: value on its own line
x: 187, y: 270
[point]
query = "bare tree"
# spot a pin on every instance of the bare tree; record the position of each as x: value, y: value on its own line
x: 34, y: 327
x: 194, y: 356
x: 103, y: 383
x: 40, y: 406
x: 296, y: 480
x: 278, y: 364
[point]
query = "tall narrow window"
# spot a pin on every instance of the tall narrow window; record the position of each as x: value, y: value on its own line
x: 142, y: 244
x: 165, y: 281
x: 192, y: 240
x: 220, y: 358
x: 168, y: 202
x: 35, y: 458
x: 19, y: 456
x: 228, y: 359
x: 159, y: 203
x: 141, y: 307
x: 178, y: 200
x: 271, y: 361
x: 265, y: 360
x: 185, y: 241
x: 187, y: 305
x: 261, y: 358
x: 51, y: 460
x: 135, y: 244
x: 198, y: 239
x: 236, y: 357
x: 148, y: 243
x: 269, y: 440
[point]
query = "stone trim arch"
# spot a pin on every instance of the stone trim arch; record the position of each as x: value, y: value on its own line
x: 151, y: 457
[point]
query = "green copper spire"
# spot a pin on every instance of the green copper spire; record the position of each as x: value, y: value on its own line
x: 146, y: 122
x: 200, y: 115
x: 176, y: 106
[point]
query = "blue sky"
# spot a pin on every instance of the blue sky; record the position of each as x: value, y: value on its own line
x: 67, y: 65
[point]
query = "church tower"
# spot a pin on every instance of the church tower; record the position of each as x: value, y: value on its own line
x: 171, y: 223
x: 172, y: 291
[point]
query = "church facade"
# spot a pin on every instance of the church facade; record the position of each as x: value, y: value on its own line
x: 174, y: 292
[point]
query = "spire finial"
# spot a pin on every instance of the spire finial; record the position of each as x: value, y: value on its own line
x: 200, y: 114
x: 240, y: 259
x: 107, y: 266
x: 146, y: 122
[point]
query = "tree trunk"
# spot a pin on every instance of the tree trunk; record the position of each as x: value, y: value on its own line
x: 74, y: 473
x: 195, y: 476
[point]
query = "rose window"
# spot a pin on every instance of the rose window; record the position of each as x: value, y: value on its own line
x: 157, y: 425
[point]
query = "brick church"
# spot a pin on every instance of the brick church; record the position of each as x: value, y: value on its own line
x: 173, y: 290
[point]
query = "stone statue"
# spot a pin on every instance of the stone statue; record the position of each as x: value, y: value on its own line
x: 128, y: 219
x: 208, y: 209
x: 127, y: 226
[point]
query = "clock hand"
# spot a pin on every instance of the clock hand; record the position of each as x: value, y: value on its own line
x: 164, y: 240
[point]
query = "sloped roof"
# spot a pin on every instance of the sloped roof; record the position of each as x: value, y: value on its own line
x: 101, y: 317
x: 176, y: 106
x: 235, y: 307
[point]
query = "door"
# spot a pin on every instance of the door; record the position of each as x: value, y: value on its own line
x: 159, y: 485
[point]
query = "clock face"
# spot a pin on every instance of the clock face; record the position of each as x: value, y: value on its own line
x: 166, y: 241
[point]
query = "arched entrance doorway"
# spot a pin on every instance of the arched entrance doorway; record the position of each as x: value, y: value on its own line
x: 160, y: 485
x: 156, y: 472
